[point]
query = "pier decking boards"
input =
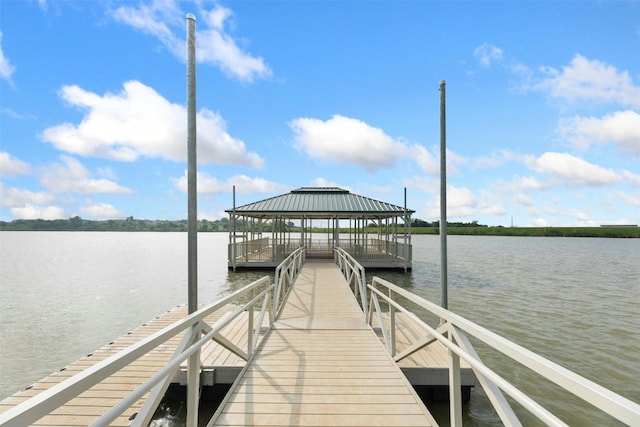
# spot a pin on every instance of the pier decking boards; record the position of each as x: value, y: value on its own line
x: 95, y: 402
x: 320, y: 364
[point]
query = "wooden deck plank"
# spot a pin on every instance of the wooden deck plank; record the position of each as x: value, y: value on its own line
x: 85, y: 408
x: 315, y: 398
x: 325, y: 408
x: 292, y: 419
x: 321, y: 350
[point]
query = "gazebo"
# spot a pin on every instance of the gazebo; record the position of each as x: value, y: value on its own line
x: 377, y: 234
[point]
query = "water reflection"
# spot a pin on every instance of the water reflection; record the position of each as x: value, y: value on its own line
x: 239, y: 279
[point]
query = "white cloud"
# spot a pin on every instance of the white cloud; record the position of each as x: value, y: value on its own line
x: 540, y: 222
x: 590, y: 80
x: 497, y: 158
x: 380, y: 189
x: 247, y: 185
x: 15, y: 115
x: 454, y: 162
x: 631, y: 199
x: 140, y: 122
x: 633, y: 178
x: 217, y: 16
x: 100, y: 211
x: 427, y: 162
x: 72, y: 176
x: 27, y: 204
x: 107, y: 173
x: 487, y: 53
x: 6, y: 69
x: 215, y: 145
x: 525, y: 184
x: 208, y: 184
x: 215, y: 46
x: 423, y: 183
x: 322, y: 182
x: 155, y: 19
x: 578, y: 217
x: 163, y: 20
x: 458, y: 197
x: 346, y: 140
x: 38, y: 212
x: 430, y: 163
x: 463, y: 203
x: 10, y: 165
x: 621, y: 128
x: 523, y: 200
x: 16, y: 197
x: 573, y: 170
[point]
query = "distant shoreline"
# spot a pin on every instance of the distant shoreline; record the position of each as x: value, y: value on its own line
x: 139, y: 225
x: 605, y: 231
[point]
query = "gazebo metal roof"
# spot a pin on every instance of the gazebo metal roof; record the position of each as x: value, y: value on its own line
x: 320, y: 202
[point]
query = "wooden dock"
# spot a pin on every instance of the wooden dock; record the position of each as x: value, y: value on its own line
x: 320, y: 363
x: 84, y: 409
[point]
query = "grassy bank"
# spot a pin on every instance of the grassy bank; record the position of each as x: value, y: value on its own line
x: 622, y: 232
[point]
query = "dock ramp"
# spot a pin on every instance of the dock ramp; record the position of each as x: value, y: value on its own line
x: 321, y: 364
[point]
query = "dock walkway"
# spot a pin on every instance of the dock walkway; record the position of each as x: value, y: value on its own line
x: 322, y: 364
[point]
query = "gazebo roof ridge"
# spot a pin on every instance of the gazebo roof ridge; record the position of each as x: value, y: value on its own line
x: 321, y: 201
x: 320, y: 190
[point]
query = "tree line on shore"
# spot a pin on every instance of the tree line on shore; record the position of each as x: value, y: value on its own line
x: 418, y: 226
x: 133, y: 224
x: 128, y: 224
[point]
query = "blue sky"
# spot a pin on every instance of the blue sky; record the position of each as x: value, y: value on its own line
x: 543, y: 107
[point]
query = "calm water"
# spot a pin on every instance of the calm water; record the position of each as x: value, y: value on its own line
x: 575, y: 301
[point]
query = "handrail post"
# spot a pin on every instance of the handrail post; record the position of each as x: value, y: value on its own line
x: 356, y: 282
x: 250, y: 332
x: 363, y: 291
x: 276, y: 292
x: 193, y: 383
x: 455, y: 393
x: 392, y: 324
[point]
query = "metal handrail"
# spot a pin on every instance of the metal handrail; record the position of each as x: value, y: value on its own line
x: 286, y: 273
x: 353, y: 271
x: 456, y: 328
x: 44, y: 403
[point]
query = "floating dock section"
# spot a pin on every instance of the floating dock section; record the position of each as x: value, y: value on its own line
x: 320, y: 362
